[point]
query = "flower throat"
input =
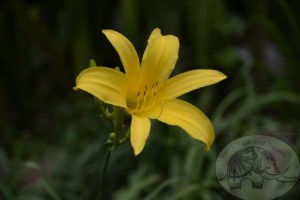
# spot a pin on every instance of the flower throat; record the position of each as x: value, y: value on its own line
x: 145, y: 97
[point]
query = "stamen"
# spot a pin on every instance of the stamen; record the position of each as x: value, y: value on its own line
x: 152, y: 94
x: 156, y: 86
x: 144, y: 98
x: 147, y: 99
x: 138, y: 102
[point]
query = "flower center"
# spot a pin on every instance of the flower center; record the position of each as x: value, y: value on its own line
x: 144, y: 98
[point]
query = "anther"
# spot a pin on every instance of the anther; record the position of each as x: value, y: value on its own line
x: 148, y: 97
x: 144, y: 99
x: 156, y: 86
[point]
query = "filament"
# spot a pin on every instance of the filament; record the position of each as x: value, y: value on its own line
x: 147, y: 98
x: 138, y: 102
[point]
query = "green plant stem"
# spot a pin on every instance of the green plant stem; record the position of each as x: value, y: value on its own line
x: 118, y: 123
x: 100, y: 183
x: 105, y: 166
x: 103, y: 111
x: 112, y: 143
x: 116, y: 117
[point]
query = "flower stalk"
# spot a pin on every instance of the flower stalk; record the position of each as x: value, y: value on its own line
x: 116, y: 117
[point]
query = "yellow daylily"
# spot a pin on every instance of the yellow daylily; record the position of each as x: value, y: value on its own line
x: 145, y: 90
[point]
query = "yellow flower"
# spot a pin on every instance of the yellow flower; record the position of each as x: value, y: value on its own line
x: 145, y: 90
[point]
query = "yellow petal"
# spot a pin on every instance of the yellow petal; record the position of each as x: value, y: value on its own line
x: 140, y: 128
x: 159, y: 58
x: 191, y: 80
x: 126, y: 51
x: 106, y: 84
x: 188, y: 117
x: 155, y: 33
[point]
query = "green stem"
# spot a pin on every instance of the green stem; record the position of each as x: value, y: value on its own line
x: 105, y: 166
x: 118, y: 120
x: 104, y: 112
x: 100, y: 184
x: 116, y: 117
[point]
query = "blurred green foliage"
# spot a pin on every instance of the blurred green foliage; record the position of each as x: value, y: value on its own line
x: 52, y: 140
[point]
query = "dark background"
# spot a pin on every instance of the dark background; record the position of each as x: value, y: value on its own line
x: 52, y: 138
